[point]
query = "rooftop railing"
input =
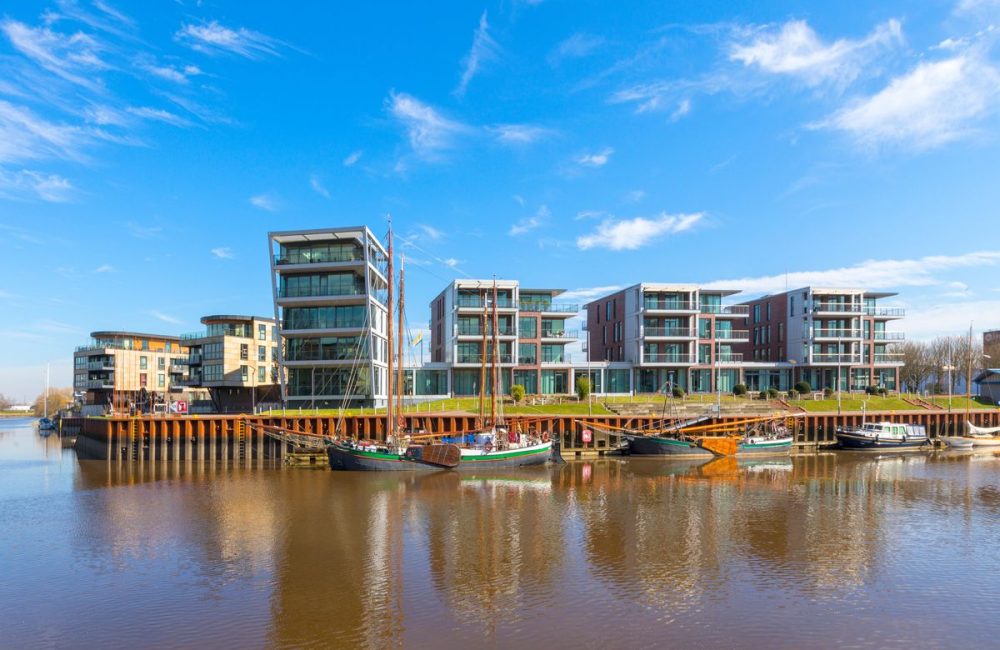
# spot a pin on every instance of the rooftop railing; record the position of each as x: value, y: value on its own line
x: 550, y: 307
x: 885, y: 311
x: 318, y: 257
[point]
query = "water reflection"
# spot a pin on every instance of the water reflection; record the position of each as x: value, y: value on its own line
x: 644, y: 552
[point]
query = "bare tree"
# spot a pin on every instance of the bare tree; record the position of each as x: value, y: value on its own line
x: 59, y: 398
x: 967, y: 359
x: 917, y: 364
x: 5, y: 403
x: 941, y: 354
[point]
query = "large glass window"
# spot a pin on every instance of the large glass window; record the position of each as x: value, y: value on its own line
x: 553, y: 382
x: 528, y: 327
x: 527, y: 354
x: 322, y: 284
x: 212, y: 372
x: 318, y: 253
x: 553, y: 327
x: 553, y: 353
x: 327, y: 348
x: 300, y: 318
x: 528, y: 379
x: 307, y: 382
x: 617, y: 380
x: 211, y: 351
x: 241, y: 330
x: 143, y: 362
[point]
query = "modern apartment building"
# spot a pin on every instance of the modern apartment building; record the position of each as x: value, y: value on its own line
x: 236, y: 358
x: 667, y: 335
x: 991, y: 347
x: 532, y: 338
x: 123, y: 370
x: 826, y: 335
x: 329, y: 288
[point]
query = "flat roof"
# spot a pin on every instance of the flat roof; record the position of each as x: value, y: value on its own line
x: 137, y: 335
x: 323, y: 234
x: 548, y: 292
x: 233, y: 317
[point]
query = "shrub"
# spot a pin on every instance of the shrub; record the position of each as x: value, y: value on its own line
x: 772, y: 393
x: 582, y: 388
x: 678, y: 391
x: 740, y: 389
x: 792, y: 393
x: 803, y: 387
x: 883, y: 391
x: 871, y: 390
x: 827, y: 392
x: 517, y: 393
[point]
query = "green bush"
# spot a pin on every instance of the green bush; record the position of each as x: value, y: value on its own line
x: 792, y: 394
x: 740, y: 389
x: 871, y: 390
x: 517, y: 393
x: 803, y: 387
x: 827, y: 392
x: 883, y: 391
x: 582, y: 388
x: 772, y: 393
x: 678, y: 391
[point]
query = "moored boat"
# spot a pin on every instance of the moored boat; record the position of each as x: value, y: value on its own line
x: 882, y: 436
x: 530, y: 452
x: 956, y: 442
x: 761, y: 445
x: 347, y: 455
x: 640, y: 445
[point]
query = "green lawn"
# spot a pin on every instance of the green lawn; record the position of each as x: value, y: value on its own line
x: 467, y: 405
x: 960, y: 403
x: 854, y: 404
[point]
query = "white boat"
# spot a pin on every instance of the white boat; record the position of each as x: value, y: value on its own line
x: 882, y: 436
x: 982, y: 436
x: 957, y: 442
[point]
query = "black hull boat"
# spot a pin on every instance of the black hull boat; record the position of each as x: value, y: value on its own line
x: 883, y: 436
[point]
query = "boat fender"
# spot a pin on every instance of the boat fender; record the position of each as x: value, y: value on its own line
x: 488, y: 447
x: 876, y: 438
x: 545, y: 436
x: 904, y: 437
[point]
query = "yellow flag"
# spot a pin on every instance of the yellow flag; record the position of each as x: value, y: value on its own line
x: 417, y: 339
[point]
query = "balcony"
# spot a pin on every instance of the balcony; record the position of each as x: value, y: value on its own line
x: 551, y: 307
x: 478, y: 358
x: 889, y: 358
x: 669, y: 305
x: 565, y: 335
x: 889, y: 336
x: 667, y: 357
x: 836, y: 333
x: 318, y: 257
x: 100, y: 384
x: 478, y: 331
x: 527, y: 361
x: 725, y: 310
x: 194, y: 359
x: 885, y: 312
x: 669, y: 332
x: 101, y: 365
x: 834, y: 358
x: 732, y: 335
x: 475, y: 302
x: 730, y: 358
x: 838, y: 307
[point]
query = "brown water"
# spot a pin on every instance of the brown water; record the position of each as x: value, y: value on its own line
x: 817, y: 551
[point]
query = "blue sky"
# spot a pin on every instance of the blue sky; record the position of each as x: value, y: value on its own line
x: 147, y: 149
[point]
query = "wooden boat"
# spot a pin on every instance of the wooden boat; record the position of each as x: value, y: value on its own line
x: 882, y: 436
x: 680, y: 446
x: 956, y: 442
x: 982, y: 436
x: 760, y: 436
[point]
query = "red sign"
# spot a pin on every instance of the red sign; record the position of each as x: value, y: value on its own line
x: 587, y: 436
x: 180, y: 406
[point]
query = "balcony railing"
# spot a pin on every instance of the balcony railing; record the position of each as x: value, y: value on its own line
x: 550, y: 307
x: 732, y: 357
x: 889, y: 336
x: 889, y: 358
x: 527, y: 361
x: 478, y: 331
x: 194, y: 359
x: 670, y: 305
x: 478, y: 358
x: 318, y: 257
x: 477, y: 302
x: 309, y: 292
x: 101, y: 365
x: 732, y: 335
x: 674, y: 332
x: 560, y: 334
x: 725, y: 309
x: 885, y: 311
x: 836, y: 333
x: 833, y: 357
x: 840, y: 307
x: 667, y: 357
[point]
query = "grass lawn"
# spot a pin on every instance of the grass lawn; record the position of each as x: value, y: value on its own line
x: 959, y: 403
x: 466, y: 405
x: 873, y: 403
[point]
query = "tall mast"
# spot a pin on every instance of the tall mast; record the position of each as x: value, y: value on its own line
x: 388, y: 332
x: 968, y: 380
x: 46, y: 390
x: 482, y: 363
x: 402, y: 341
x: 496, y: 358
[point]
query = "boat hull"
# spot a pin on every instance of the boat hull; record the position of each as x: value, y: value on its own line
x: 348, y: 459
x: 777, y: 447
x: 857, y: 442
x: 957, y: 442
x: 478, y: 460
x: 657, y: 446
x: 983, y: 441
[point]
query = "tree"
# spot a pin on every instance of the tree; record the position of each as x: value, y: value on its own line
x: 941, y: 355
x: 5, y: 403
x: 967, y: 359
x: 918, y: 366
x: 58, y: 398
x: 582, y: 387
x: 517, y: 393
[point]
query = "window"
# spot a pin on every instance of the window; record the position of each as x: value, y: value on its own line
x: 262, y: 332
x: 352, y: 316
x: 781, y: 332
x: 552, y: 353
x: 244, y: 373
x: 143, y: 362
x: 791, y: 305
x: 244, y: 351
x: 142, y: 379
x: 161, y: 379
x: 261, y: 353
x: 768, y: 312
x: 756, y: 313
x: 608, y: 311
x: 212, y: 351
x: 528, y: 327
x: 212, y: 372
x: 261, y: 374
x: 527, y: 353
x: 161, y: 363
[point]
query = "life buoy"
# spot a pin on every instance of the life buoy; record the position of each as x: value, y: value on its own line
x: 545, y: 436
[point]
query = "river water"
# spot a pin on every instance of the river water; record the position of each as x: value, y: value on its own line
x: 814, y: 551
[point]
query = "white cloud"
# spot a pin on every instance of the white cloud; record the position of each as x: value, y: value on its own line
x: 317, y: 185
x: 794, y: 49
x: 598, y: 159
x: 588, y: 214
x: 180, y: 75
x: 264, y: 202
x: 518, y: 199
x: 73, y: 57
x: 926, y: 321
x: 428, y: 131
x: 431, y: 232
x: 159, y: 115
x: 164, y: 317
x: 32, y: 184
x: 530, y: 223
x: 683, y: 108
x: 630, y: 234
x: 933, y: 104
x: 104, y: 268
x: 223, y: 253
x: 518, y: 133
x: 870, y: 274
x: 352, y: 158
x: 634, y: 196
x: 451, y: 262
x: 576, y: 46
x: 26, y: 136
x: 483, y: 49
x: 588, y: 293
x: 213, y: 38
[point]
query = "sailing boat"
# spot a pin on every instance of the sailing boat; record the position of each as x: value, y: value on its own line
x: 45, y: 424
x: 499, y: 446
x: 396, y: 454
